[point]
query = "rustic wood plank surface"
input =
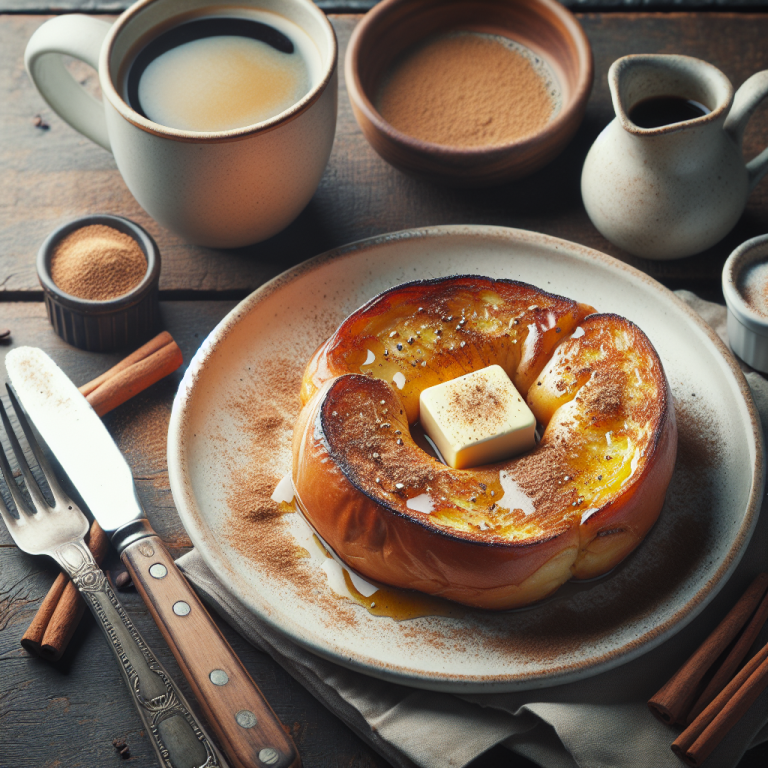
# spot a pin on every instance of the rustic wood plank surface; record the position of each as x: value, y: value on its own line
x: 51, y: 176
x: 68, y: 713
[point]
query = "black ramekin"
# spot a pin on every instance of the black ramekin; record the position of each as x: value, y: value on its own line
x: 102, y: 326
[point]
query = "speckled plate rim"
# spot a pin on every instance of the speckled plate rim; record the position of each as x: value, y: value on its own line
x: 194, y: 519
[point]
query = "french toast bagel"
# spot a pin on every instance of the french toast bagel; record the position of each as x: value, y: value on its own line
x: 502, y: 535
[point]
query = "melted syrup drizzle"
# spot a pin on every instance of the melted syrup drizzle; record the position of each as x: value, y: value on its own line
x: 391, y: 602
x: 400, y: 604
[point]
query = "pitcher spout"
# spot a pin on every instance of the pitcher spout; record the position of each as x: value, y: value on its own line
x: 691, y: 92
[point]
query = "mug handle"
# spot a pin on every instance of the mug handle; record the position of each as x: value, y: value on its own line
x: 745, y: 102
x: 74, y: 35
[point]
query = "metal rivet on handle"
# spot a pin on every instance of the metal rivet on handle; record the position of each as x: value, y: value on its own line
x: 245, y: 718
x: 181, y: 608
x: 219, y: 677
x: 158, y: 570
x: 269, y: 756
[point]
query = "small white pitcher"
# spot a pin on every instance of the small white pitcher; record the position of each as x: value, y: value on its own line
x: 672, y: 191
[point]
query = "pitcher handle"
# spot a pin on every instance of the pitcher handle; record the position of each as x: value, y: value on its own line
x: 745, y: 102
x: 74, y: 35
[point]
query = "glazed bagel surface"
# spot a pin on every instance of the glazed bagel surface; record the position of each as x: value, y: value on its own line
x: 497, y: 536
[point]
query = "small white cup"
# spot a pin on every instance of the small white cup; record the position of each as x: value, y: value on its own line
x: 747, y: 328
x: 222, y: 189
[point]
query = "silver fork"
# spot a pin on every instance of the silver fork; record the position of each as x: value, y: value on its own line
x: 177, y: 737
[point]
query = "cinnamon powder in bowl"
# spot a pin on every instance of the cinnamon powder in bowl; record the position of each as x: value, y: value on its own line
x: 100, y: 279
x: 98, y: 263
x: 469, y: 92
x: 469, y: 89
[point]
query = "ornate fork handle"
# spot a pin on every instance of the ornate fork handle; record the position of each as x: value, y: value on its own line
x: 179, y: 740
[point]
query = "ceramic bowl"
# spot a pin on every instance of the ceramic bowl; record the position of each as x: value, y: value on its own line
x: 102, y: 326
x: 747, y: 325
x: 543, y: 26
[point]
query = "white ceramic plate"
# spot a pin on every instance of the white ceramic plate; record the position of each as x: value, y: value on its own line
x: 230, y: 437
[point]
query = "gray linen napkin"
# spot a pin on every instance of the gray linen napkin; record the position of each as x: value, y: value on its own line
x: 600, y: 722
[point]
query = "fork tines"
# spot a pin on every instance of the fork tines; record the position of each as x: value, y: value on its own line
x: 33, y: 488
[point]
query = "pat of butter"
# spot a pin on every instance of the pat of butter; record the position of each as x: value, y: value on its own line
x: 477, y: 418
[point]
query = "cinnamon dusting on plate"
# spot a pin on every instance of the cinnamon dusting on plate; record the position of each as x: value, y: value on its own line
x: 255, y: 527
x: 263, y: 418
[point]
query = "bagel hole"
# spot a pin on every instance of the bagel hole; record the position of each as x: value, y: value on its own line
x: 424, y: 441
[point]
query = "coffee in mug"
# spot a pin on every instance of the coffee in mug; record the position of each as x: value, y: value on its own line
x: 222, y: 72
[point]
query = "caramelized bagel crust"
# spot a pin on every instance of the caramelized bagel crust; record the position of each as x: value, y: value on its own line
x: 430, y: 331
x: 501, y: 535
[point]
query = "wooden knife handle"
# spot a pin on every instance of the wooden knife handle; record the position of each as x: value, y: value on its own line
x: 248, y: 730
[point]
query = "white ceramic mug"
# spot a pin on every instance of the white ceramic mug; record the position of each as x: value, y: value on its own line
x: 223, y: 189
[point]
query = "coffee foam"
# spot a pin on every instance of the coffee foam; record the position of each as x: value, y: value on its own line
x: 247, y: 58
x: 220, y: 83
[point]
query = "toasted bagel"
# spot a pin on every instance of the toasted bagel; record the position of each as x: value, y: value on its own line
x: 502, y: 535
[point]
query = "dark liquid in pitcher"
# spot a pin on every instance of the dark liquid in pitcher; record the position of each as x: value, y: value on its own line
x: 665, y: 110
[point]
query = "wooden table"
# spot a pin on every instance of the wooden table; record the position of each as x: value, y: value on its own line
x: 68, y: 713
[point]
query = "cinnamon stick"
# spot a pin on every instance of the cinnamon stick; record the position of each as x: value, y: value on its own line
x: 33, y: 637
x: 126, y: 381
x: 61, y: 610
x: 158, y: 342
x: 697, y: 741
x: 732, y: 661
x: 674, y: 700
x: 71, y: 606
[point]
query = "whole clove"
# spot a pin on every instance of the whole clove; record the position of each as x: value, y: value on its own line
x: 121, y: 747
